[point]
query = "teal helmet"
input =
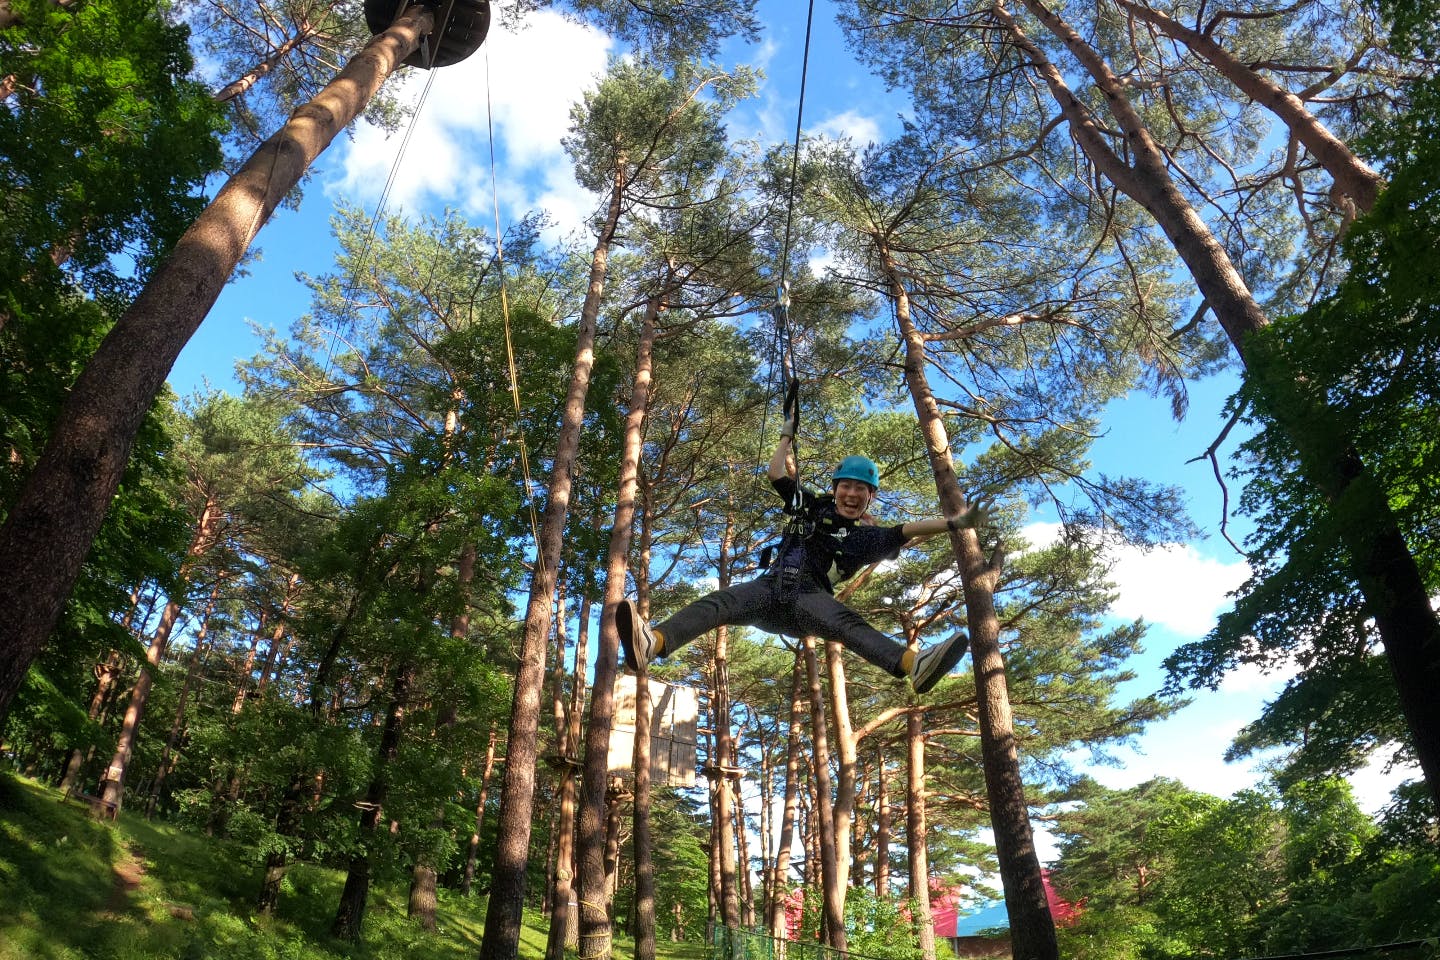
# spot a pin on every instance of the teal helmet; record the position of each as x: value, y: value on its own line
x: 858, y: 468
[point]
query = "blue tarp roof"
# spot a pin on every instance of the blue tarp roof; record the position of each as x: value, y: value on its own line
x: 986, y: 918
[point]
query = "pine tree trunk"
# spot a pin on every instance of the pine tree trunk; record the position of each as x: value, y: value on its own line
x: 860, y: 839
x: 253, y: 76
x: 767, y: 820
x: 644, y: 931
x: 1381, y: 560
x: 810, y: 860
x: 473, y: 851
x: 596, y: 937
x: 107, y: 676
x: 564, y: 931
x: 712, y: 889
x: 915, y: 830
x: 547, y: 899
x: 54, y: 518
x: 1353, y: 177
x: 846, y: 784
x: 615, y: 798
x: 112, y: 790
x: 464, y: 577
x: 350, y: 914
x: 745, y: 887
x: 882, y: 826
x: 832, y: 894
x: 192, y: 673
x: 564, y: 750
x: 778, y: 926
x: 271, y: 669
x: 247, y: 670
x: 723, y: 812
x: 517, y: 794
x: 1032, y: 930
x: 112, y: 786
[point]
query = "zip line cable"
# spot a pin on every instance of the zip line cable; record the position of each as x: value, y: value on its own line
x: 785, y: 338
x: 505, y: 313
x: 795, y: 153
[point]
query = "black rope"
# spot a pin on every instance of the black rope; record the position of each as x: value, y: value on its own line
x: 790, y: 407
x: 795, y: 153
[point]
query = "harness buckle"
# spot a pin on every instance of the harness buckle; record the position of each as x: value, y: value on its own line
x: 791, y: 572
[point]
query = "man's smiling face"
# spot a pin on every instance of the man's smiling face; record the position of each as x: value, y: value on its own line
x: 852, y: 498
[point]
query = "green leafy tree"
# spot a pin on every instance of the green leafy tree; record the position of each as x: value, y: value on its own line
x: 234, y: 454
x: 104, y: 144
x: 411, y: 403
x: 669, y: 31
x: 98, y: 93
x: 266, y: 59
x: 633, y: 139
x: 1369, y: 351
x: 53, y: 520
x: 1164, y: 871
x: 1128, y: 137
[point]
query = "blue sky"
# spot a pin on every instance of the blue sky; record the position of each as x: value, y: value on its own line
x: 529, y: 80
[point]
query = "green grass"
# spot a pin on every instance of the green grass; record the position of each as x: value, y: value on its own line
x: 63, y: 883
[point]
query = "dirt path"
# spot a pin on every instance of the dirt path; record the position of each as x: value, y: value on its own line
x: 127, y: 874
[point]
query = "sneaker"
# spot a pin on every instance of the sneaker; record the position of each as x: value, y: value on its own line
x: 933, y: 663
x: 636, y: 637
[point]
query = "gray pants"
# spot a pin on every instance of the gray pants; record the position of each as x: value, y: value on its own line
x: 809, y: 612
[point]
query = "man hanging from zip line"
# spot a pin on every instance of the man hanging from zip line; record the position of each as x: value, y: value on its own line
x: 835, y: 539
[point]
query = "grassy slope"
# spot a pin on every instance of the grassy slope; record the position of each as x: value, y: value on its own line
x: 74, y: 887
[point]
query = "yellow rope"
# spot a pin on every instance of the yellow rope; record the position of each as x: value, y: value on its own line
x: 509, y: 344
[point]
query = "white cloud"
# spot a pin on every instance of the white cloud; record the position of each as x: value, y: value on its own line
x: 768, y: 120
x: 764, y: 54
x: 1173, y: 586
x: 861, y: 130
x: 1372, y: 783
x: 1251, y: 679
x: 532, y: 76
x: 1041, y: 534
x: 536, y: 75
x: 822, y: 261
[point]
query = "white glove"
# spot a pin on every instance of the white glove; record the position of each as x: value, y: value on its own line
x: 980, y: 513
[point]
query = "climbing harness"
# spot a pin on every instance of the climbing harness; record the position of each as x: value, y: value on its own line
x: 790, y: 555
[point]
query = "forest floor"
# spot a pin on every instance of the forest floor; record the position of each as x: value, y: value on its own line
x: 76, y: 887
